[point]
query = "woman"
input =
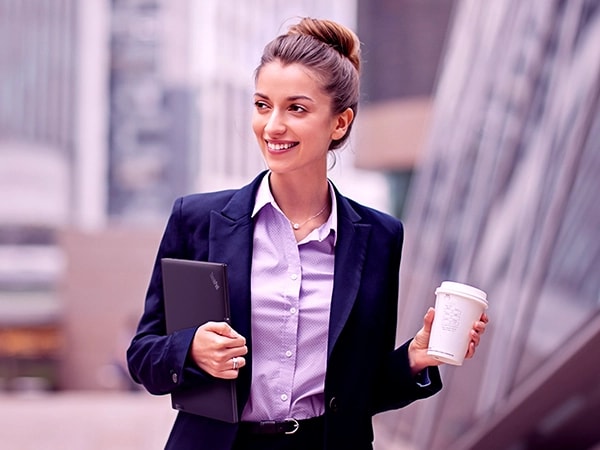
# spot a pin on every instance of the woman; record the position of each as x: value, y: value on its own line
x: 313, y: 276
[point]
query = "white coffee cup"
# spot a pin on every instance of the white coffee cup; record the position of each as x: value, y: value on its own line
x: 457, y: 307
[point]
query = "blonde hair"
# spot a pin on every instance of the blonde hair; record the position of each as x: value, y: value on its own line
x: 331, y: 51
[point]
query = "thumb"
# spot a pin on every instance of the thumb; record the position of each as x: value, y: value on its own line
x: 224, y: 329
x: 428, y: 319
x: 422, y: 337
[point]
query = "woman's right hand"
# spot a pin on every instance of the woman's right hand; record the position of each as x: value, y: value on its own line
x: 214, y: 348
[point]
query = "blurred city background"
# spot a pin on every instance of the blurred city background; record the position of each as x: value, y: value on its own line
x: 479, y: 127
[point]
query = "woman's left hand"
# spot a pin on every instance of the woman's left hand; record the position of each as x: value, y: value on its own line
x: 417, y: 349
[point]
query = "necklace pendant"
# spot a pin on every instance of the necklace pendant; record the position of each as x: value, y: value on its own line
x: 296, y: 225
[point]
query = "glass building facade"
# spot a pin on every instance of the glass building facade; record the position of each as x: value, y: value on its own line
x: 506, y: 199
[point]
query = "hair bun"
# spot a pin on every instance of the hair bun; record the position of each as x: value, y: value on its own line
x: 337, y: 36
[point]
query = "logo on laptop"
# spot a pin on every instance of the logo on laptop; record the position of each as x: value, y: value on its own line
x: 214, y: 281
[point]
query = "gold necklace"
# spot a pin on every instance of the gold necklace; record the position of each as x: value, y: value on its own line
x: 297, y: 226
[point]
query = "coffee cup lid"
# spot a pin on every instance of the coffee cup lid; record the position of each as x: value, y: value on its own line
x: 452, y: 287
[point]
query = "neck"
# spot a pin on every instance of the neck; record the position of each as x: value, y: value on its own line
x: 300, y: 199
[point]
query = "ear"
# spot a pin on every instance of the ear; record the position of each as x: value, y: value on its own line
x: 342, y: 123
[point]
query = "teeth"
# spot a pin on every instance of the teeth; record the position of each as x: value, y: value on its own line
x: 279, y: 146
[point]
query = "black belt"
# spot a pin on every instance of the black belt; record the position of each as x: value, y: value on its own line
x: 287, y: 426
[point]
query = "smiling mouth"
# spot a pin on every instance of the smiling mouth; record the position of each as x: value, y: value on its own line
x: 280, y: 147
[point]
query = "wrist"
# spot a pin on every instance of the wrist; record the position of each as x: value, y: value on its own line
x: 417, y: 359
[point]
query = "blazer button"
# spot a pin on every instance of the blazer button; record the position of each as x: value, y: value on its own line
x: 174, y: 377
x: 333, y: 405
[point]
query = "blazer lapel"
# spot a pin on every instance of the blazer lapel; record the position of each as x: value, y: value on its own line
x: 230, y: 242
x: 350, y: 252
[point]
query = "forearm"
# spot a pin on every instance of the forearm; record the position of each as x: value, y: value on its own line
x: 399, y: 384
x: 159, y: 362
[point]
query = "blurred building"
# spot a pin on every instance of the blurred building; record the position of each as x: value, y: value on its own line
x: 37, y: 153
x: 108, y: 111
x: 152, y: 118
x: 505, y: 198
x: 402, y: 48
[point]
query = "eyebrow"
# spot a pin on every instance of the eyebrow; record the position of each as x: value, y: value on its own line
x: 292, y: 98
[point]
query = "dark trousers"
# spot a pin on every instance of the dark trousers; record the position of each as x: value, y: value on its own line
x: 310, y: 436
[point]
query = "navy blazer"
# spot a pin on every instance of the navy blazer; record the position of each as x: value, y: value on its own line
x: 365, y: 373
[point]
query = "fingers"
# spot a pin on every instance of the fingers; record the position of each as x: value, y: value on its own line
x: 218, y: 350
x: 475, y: 337
x: 225, y: 330
x: 232, y: 367
x: 480, y: 326
x: 225, y: 365
x: 475, y: 334
x: 470, y: 350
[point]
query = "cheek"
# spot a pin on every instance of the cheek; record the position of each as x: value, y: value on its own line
x: 257, y: 124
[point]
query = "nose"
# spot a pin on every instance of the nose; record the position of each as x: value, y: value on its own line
x: 275, y: 124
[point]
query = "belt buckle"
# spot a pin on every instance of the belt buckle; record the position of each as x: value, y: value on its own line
x: 294, y: 422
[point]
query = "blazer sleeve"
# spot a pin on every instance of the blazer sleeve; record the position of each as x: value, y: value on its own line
x: 159, y: 361
x: 401, y: 387
x: 396, y: 387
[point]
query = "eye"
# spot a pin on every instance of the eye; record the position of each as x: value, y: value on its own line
x: 297, y: 108
x: 260, y: 105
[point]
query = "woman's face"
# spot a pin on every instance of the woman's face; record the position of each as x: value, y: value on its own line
x: 292, y: 119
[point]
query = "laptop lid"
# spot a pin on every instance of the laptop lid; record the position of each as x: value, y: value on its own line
x: 196, y: 292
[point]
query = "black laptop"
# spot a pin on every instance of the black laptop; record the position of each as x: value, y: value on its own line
x: 196, y: 292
